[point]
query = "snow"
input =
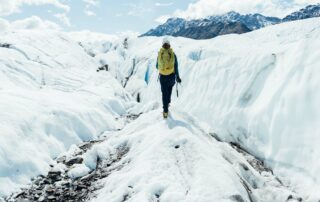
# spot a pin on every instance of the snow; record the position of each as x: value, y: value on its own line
x: 93, y: 42
x: 177, y: 160
x: 51, y: 98
x: 78, y: 171
x: 258, y: 89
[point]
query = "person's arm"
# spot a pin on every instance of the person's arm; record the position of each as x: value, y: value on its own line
x: 176, y: 65
x: 157, y: 64
x: 176, y: 69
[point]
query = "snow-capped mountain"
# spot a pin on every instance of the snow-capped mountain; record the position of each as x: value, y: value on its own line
x: 308, y: 12
x: 231, y: 22
x: 212, y: 26
x: 252, y: 21
x: 172, y: 26
x: 210, y: 30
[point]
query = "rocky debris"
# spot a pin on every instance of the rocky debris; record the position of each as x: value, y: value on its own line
x: 54, y: 176
x: 215, y: 136
x: 103, y: 68
x: 88, y: 145
x: 75, y: 160
x: 251, y: 182
x: 132, y: 117
x: 61, y: 159
x: 292, y: 198
x: 252, y: 160
x: 237, y: 198
x: 57, y: 186
x: 5, y: 45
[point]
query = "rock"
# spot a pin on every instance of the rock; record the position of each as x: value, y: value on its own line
x: 104, y: 175
x: 87, y: 177
x: 81, y: 186
x: 61, y: 159
x: 40, y: 188
x: 65, y: 184
x: 20, y: 194
x: 46, y: 181
x: 237, y: 198
x: 57, y: 184
x: 51, y: 198
x: 75, y: 160
x: 50, y: 190
x: 245, y: 167
x: 54, y: 176
x: 37, y: 192
x: 42, y: 198
x: 36, y: 197
x: 54, y: 173
x: 5, y: 45
x: 37, y: 182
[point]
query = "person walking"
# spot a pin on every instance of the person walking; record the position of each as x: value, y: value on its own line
x: 167, y: 64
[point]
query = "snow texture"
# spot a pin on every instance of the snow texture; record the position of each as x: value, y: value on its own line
x: 51, y: 98
x: 178, y: 160
x: 258, y: 89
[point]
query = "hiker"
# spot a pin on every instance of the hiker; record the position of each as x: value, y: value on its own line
x: 167, y: 64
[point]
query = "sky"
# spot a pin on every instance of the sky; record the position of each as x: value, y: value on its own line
x: 118, y: 16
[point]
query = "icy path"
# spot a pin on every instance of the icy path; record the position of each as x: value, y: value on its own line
x: 153, y: 159
x: 178, y: 160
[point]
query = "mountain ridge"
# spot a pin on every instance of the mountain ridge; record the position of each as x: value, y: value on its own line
x: 229, y: 23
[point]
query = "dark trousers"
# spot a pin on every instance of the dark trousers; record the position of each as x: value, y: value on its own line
x: 167, y: 83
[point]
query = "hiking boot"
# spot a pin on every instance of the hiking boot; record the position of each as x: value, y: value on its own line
x: 165, y: 115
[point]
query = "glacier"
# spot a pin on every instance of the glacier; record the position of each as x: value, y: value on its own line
x: 51, y: 98
x: 258, y: 90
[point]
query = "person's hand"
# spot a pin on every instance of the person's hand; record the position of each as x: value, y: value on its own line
x: 178, y: 79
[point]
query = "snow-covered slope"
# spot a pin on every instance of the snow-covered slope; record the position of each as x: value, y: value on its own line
x: 152, y: 159
x: 258, y: 89
x: 178, y: 160
x: 51, y: 97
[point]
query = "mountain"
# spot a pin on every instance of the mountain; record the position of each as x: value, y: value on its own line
x: 231, y: 22
x: 252, y: 21
x: 173, y: 25
x: 310, y: 11
x: 212, y: 30
x: 213, y: 26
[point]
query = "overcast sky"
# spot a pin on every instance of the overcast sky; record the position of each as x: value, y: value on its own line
x: 115, y: 16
